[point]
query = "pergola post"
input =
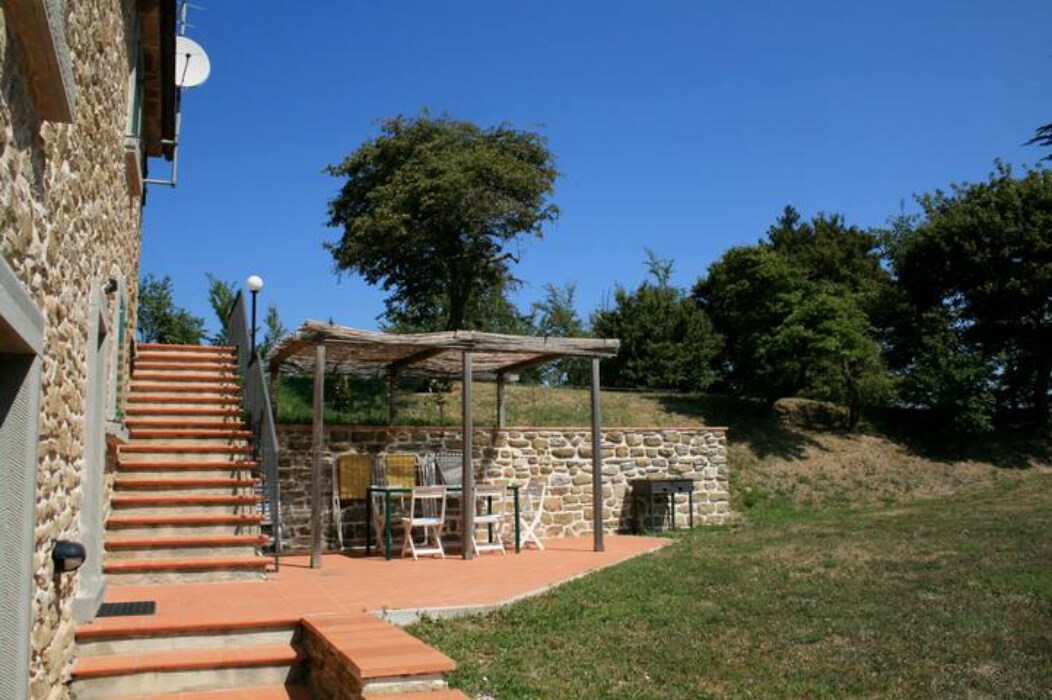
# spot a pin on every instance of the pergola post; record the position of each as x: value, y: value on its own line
x: 502, y: 408
x: 315, y: 469
x: 392, y: 386
x: 467, y: 494
x: 597, y: 463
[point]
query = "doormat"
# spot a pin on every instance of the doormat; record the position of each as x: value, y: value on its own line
x: 137, y: 607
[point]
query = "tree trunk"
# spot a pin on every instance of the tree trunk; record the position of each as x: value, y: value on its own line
x: 1041, y: 386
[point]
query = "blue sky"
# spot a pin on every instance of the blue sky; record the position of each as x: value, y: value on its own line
x: 681, y: 126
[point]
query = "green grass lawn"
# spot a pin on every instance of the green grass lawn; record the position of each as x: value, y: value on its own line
x: 948, y: 598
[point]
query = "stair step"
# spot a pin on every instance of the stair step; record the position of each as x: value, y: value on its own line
x: 182, y: 387
x: 180, y: 411
x: 195, y: 449
x: 183, y: 424
x: 198, y: 433
x: 187, y: 358
x: 187, y: 465
x: 191, y: 519
x: 288, y: 691
x: 181, y: 542
x: 154, y: 501
x: 189, y: 376
x: 183, y: 347
x: 138, y: 484
x: 184, y: 564
x: 182, y: 368
x: 188, y: 399
x: 183, y: 670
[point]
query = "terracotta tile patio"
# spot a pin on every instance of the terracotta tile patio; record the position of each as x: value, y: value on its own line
x: 355, y: 584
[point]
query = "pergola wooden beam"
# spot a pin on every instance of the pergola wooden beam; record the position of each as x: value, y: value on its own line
x: 413, y: 359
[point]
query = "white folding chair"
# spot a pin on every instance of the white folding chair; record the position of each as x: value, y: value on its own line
x: 427, y: 510
x: 490, y: 504
x: 531, y: 508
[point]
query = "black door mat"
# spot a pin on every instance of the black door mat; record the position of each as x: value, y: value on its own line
x: 138, y: 607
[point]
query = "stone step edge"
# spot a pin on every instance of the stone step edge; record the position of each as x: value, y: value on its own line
x: 121, y: 501
x: 117, y: 522
x: 228, y: 349
x: 171, y: 411
x: 188, y: 465
x: 176, y: 424
x: 185, y: 660
x: 189, y: 433
x: 137, y: 626
x: 176, y: 366
x: 113, y: 543
x: 203, y: 377
x: 141, y: 387
x: 189, y: 399
x: 122, y: 566
x: 136, y: 483
x: 185, y: 356
x: 207, y: 449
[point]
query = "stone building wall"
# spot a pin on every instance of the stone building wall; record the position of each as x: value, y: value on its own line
x: 562, y: 457
x: 67, y: 222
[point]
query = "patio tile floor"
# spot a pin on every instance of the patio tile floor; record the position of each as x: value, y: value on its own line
x: 356, y: 584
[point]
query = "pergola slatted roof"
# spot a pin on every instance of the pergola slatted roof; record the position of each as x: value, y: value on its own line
x: 439, y: 355
x: 328, y: 348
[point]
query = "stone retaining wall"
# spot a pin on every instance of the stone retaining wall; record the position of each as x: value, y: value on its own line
x: 562, y: 457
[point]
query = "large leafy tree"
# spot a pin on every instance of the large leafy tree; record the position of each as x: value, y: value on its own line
x: 796, y: 311
x: 430, y: 207
x: 667, y: 341
x: 160, y: 320
x: 981, y: 257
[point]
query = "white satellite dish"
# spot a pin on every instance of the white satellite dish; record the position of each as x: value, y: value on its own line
x: 191, y: 63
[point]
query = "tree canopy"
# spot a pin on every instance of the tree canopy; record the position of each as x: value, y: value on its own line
x: 980, y: 259
x: 429, y: 208
x: 160, y: 320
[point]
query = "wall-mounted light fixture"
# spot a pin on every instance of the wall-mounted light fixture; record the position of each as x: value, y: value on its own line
x: 111, y: 286
x: 68, y: 556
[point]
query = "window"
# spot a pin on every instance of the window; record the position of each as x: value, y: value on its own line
x: 40, y: 26
x: 21, y: 342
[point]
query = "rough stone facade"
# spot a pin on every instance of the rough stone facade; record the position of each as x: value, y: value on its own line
x: 67, y: 225
x: 562, y: 457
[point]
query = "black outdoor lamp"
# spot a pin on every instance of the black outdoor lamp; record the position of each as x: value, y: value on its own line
x: 254, y: 284
x: 68, y: 556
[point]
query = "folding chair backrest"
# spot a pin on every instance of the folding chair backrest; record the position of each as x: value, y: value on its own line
x: 450, y: 465
x: 534, y: 493
x: 355, y: 474
x: 400, y: 469
x: 427, y: 471
x: 490, y: 495
x: 429, y: 501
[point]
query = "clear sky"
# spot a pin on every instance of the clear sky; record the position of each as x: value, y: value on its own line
x: 684, y: 126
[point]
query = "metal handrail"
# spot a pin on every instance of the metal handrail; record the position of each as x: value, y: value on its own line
x: 259, y: 414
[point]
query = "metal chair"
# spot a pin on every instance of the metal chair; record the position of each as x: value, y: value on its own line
x: 425, y: 500
x: 531, y: 508
x: 450, y: 466
x: 490, y: 502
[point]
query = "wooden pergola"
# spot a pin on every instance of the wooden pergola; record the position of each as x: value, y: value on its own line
x: 469, y: 355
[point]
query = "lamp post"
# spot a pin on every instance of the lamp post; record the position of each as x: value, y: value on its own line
x: 254, y: 284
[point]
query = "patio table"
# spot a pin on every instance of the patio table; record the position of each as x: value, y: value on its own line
x: 389, y: 491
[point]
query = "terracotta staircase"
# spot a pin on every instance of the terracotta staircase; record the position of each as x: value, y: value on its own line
x: 185, y: 504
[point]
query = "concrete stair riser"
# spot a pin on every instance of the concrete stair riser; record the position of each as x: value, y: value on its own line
x: 177, y: 403
x: 111, y: 688
x: 225, y: 439
x: 422, y: 684
x: 138, y: 511
x: 217, y: 453
x: 220, y: 639
x: 164, y: 372
x: 146, y: 471
x: 160, y: 553
x: 184, y: 530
